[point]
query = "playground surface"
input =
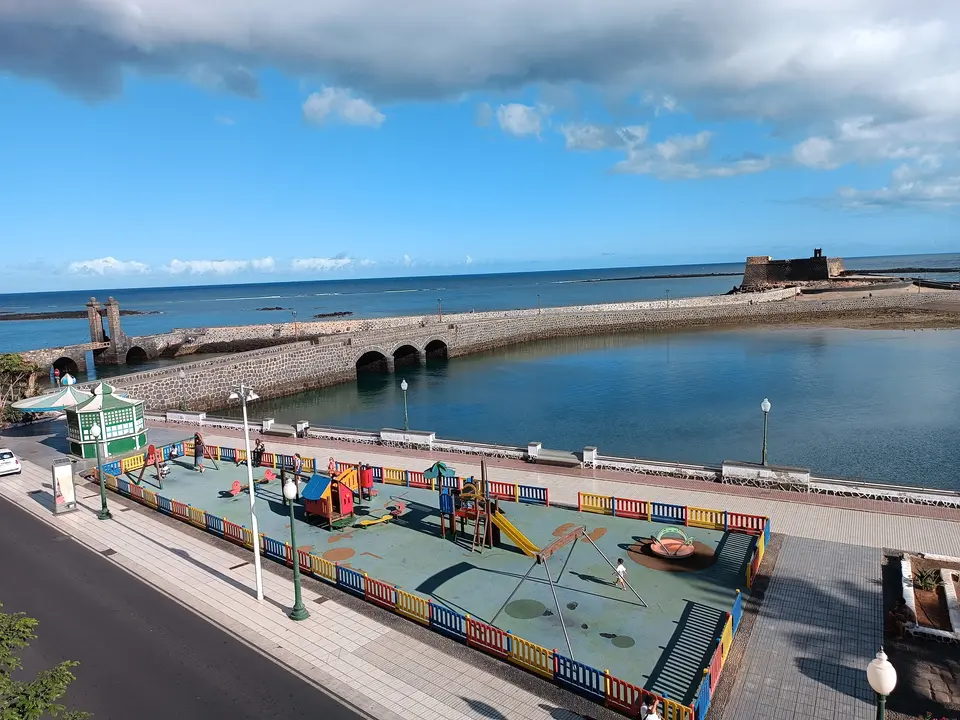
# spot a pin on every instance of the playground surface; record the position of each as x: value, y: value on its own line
x: 662, y: 647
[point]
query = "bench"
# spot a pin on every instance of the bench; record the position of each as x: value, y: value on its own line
x: 280, y: 430
x: 554, y: 457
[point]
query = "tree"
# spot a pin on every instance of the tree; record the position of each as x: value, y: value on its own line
x: 17, y: 380
x: 37, y: 698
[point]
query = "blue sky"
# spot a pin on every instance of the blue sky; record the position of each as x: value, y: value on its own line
x: 467, y: 150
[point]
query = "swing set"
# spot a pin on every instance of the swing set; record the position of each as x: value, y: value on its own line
x: 542, y: 557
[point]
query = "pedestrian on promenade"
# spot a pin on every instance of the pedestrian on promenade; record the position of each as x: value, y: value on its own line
x: 901, y: 617
x: 621, y: 575
x: 198, y: 451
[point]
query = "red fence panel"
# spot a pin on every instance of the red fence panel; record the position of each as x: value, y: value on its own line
x: 625, y: 507
x: 180, y: 509
x: 379, y: 593
x: 501, y: 490
x: 417, y: 480
x: 233, y: 532
x: 494, y: 640
x: 738, y: 522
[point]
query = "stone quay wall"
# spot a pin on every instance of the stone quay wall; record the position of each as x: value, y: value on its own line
x: 298, y: 366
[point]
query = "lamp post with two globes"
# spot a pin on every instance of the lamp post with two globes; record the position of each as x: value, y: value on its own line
x: 104, y: 514
x: 246, y: 394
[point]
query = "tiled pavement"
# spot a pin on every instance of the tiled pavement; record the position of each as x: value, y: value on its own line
x: 819, y: 626
x: 337, y: 648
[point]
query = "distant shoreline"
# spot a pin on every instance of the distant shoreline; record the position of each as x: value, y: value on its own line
x: 66, y: 315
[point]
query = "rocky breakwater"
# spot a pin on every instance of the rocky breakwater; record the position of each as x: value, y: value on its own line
x: 297, y: 366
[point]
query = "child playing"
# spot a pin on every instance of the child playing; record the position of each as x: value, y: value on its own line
x: 621, y: 575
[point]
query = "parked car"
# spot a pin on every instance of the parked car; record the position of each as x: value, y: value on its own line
x: 9, y: 463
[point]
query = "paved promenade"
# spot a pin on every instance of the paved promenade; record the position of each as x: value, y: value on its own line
x: 814, y: 634
x: 337, y: 648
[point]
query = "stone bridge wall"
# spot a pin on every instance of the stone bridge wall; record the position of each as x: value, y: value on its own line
x: 299, y: 366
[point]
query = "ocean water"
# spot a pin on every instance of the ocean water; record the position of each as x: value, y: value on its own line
x: 867, y: 404
x: 207, y: 306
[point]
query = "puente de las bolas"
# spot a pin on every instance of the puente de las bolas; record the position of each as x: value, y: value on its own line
x: 280, y: 359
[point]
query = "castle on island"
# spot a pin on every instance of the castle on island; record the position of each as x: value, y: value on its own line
x: 763, y: 270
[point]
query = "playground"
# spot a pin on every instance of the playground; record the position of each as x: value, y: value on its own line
x: 658, y: 629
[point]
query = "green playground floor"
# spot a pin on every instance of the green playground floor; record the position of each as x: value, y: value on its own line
x: 663, y: 647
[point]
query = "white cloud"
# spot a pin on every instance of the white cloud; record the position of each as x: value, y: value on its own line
x: 407, y: 261
x: 520, y: 120
x: 224, y: 120
x: 468, y: 260
x: 341, y: 104
x: 816, y: 152
x: 684, y: 157
x: 924, y: 183
x: 587, y: 136
x: 325, y: 264
x: 661, y: 103
x: 108, y: 266
x: 218, y: 267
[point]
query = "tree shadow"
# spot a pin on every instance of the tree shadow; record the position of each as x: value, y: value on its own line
x: 484, y: 710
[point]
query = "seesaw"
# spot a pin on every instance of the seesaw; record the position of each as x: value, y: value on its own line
x: 395, y: 513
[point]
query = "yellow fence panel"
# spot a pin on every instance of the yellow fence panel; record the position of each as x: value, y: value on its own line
x: 308, y: 464
x: 589, y: 502
x: 134, y: 462
x: 198, y: 517
x: 323, y: 568
x: 413, y: 607
x: 672, y: 710
x: 392, y: 476
x: 726, y: 638
x: 150, y: 497
x: 705, y: 518
x: 531, y: 656
x: 247, y: 538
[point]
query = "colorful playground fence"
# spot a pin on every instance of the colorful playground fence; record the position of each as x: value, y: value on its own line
x: 579, y: 677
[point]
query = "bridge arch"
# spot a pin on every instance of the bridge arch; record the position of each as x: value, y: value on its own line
x: 374, y: 360
x: 406, y: 355
x: 66, y: 365
x: 136, y: 356
x: 436, y: 349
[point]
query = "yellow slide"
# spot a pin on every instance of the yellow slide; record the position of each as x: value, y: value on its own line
x: 516, y: 537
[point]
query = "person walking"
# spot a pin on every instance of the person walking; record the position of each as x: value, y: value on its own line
x: 198, y: 451
x: 621, y: 575
x: 258, y: 449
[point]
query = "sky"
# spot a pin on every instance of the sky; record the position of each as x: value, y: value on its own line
x: 156, y: 142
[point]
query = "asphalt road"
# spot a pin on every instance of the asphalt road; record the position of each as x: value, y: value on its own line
x: 141, y: 654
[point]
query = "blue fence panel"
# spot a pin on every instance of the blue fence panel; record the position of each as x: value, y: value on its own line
x: 112, y: 468
x: 580, y: 677
x: 350, y: 580
x: 448, y: 622
x: 215, y: 524
x: 703, y: 697
x: 446, y: 502
x: 450, y: 482
x: 664, y: 512
x: 228, y: 454
x: 737, y: 611
x: 123, y: 486
x: 163, y: 504
x: 532, y: 494
x: 274, y: 549
x: 377, y: 474
x: 766, y: 533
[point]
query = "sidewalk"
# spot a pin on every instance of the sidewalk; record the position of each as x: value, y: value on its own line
x: 382, y: 672
x: 818, y: 517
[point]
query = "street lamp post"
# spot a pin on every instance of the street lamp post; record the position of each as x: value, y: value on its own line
x: 245, y: 394
x: 765, y: 406
x: 538, y: 303
x: 882, y: 677
x: 299, y: 612
x: 404, y: 386
x: 104, y: 514
x: 296, y: 328
x: 440, y: 309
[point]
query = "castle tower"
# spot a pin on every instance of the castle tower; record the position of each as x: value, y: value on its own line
x: 96, y: 322
x: 119, y: 344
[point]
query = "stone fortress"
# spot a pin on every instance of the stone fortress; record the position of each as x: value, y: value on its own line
x: 762, y: 271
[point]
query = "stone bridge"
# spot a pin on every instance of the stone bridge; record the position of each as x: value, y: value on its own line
x: 67, y: 359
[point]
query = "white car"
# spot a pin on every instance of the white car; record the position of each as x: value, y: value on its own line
x: 9, y: 463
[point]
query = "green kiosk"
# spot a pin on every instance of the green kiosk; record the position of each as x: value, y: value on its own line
x: 119, y: 419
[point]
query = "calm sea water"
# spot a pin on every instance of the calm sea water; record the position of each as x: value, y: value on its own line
x: 868, y: 404
x: 209, y: 306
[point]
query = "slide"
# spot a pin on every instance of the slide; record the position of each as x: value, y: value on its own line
x: 516, y: 537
